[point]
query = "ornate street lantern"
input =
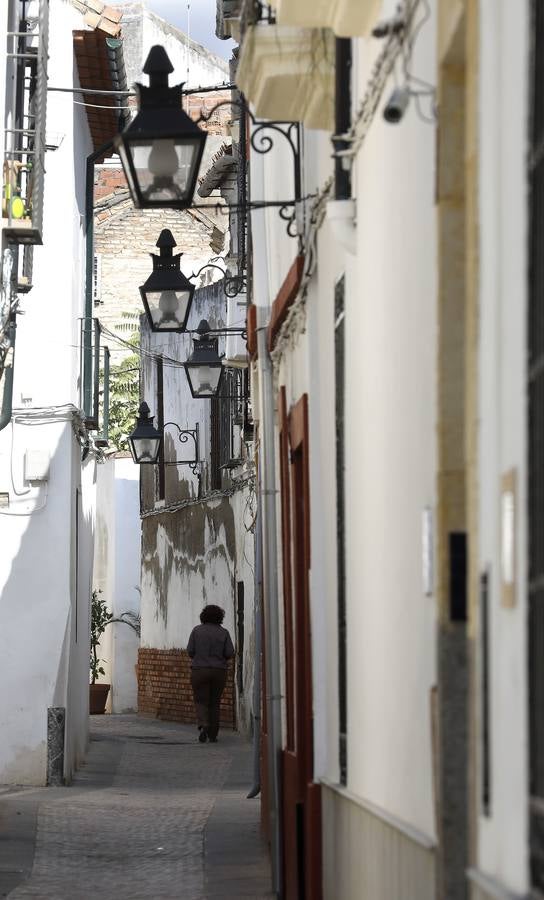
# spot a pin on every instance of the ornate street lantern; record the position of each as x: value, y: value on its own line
x: 204, y: 368
x: 167, y: 293
x: 162, y: 147
x: 145, y: 440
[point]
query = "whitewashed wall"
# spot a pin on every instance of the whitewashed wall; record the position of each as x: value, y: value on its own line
x: 142, y: 29
x: 44, y: 629
x: 117, y: 574
x: 390, y: 451
x: 504, y: 129
x: 390, y: 459
x: 104, y: 565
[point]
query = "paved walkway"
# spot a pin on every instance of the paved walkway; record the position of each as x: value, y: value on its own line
x: 153, y: 814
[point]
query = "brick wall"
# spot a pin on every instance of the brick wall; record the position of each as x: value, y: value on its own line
x: 124, y: 238
x: 164, y: 687
x: 108, y: 181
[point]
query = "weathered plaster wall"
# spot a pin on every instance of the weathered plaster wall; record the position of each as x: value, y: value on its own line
x: 194, y: 556
x: 192, y: 62
x: 195, y: 547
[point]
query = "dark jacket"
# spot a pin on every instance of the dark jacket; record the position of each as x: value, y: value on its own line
x: 210, y: 647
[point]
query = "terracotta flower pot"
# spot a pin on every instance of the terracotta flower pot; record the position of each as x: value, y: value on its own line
x: 98, y: 694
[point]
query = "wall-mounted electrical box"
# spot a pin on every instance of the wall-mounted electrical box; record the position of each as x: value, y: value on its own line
x: 37, y: 464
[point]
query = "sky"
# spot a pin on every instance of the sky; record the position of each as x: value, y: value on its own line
x: 201, y: 22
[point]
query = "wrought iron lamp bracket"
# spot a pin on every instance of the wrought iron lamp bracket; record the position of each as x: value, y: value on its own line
x: 262, y: 142
x: 184, y: 434
x: 241, y: 331
x: 232, y: 284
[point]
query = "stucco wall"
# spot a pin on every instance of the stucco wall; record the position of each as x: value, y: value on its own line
x: 504, y: 130
x: 44, y: 608
x: 142, y: 29
x: 117, y: 574
x: 390, y: 457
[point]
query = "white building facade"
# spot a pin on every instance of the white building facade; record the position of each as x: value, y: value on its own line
x: 48, y: 460
x: 393, y: 399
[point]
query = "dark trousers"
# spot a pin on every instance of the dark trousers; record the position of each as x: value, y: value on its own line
x: 208, y: 685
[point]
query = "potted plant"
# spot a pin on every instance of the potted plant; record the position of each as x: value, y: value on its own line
x: 100, y: 618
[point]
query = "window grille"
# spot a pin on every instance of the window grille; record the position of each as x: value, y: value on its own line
x: 228, y: 417
x: 97, y: 280
x: 103, y: 438
x: 24, y: 147
x: 90, y: 389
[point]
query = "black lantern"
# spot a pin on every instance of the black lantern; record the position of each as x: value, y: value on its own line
x: 204, y: 368
x: 162, y: 147
x: 167, y: 293
x: 145, y: 440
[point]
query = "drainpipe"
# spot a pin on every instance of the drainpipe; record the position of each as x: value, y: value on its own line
x: 341, y: 210
x: 89, y: 258
x: 8, y: 298
x: 258, y: 604
x: 267, y: 497
x: 7, y: 377
x: 114, y: 49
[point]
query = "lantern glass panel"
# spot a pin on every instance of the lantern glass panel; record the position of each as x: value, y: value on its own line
x: 167, y: 309
x: 165, y: 167
x: 203, y: 380
x: 145, y: 450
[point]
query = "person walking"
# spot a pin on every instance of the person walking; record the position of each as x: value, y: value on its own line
x: 210, y: 647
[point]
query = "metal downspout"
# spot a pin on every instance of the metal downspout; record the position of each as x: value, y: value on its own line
x: 89, y: 258
x: 7, y: 396
x: 342, y: 174
x: 258, y: 604
x: 267, y: 497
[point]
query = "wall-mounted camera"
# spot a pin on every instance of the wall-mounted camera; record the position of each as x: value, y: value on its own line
x: 396, y: 105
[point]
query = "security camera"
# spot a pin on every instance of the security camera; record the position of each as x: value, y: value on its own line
x: 396, y: 105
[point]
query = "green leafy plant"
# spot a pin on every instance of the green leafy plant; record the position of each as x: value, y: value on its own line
x: 100, y: 618
x: 125, y: 384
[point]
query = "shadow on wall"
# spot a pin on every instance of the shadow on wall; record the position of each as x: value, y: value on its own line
x: 44, y: 616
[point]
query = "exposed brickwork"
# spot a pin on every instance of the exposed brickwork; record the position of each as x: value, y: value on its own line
x: 124, y: 238
x: 109, y: 181
x: 164, y: 687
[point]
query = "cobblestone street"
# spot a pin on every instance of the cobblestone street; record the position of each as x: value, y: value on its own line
x: 152, y: 814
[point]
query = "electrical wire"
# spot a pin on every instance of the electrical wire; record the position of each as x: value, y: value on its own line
x: 168, y: 361
x: 193, y: 501
x: 100, y: 105
x: 407, y: 49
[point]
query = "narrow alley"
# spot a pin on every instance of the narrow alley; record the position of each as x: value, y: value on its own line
x: 271, y: 449
x: 152, y: 814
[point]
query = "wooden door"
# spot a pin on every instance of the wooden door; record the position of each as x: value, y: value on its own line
x: 301, y: 797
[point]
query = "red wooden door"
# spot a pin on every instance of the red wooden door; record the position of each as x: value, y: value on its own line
x: 301, y: 797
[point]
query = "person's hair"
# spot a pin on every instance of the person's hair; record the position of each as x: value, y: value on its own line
x: 212, y: 614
